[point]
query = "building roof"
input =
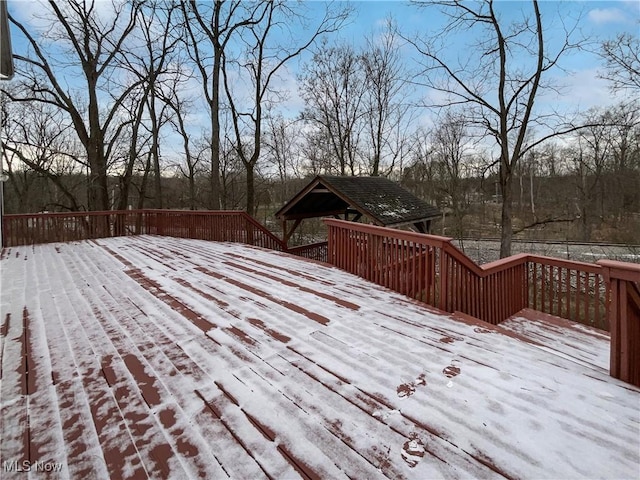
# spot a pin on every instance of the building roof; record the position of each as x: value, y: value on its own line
x: 153, y: 356
x: 384, y: 201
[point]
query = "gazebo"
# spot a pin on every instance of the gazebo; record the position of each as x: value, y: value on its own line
x: 382, y: 201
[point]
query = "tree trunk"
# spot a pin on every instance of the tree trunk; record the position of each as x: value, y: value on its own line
x: 192, y: 190
x: 250, y: 189
x: 97, y: 189
x: 215, y: 124
x: 155, y: 151
x: 506, y: 233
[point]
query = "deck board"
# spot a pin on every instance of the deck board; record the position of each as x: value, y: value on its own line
x: 580, y: 343
x: 172, y: 358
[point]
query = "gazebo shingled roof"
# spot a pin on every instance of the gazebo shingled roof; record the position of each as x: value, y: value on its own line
x: 381, y: 200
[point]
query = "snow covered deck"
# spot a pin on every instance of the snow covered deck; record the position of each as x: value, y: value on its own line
x: 153, y: 356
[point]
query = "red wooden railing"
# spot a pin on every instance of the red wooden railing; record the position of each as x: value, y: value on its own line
x: 29, y: 229
x: 425, y: 267
x: 222, y: 226
x: 573, y: 290
x: 219, y: 226
x: 315, y: 251
x: 431, y: 269
x: 624, y: 284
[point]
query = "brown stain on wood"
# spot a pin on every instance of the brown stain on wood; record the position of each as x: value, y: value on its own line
x: 236, y: 332
x: 160, y: 454
x: 203, y: 294
x: 146, y: 382
x: 489, y: 463
x: 4, y: 328
x: 267, y: 432
x: 107, y: 370
x: 74, y: 431
x: 299, y: 465
x: 167, y: 418
x: 105, y: 415
x: 405, y: 390
x: 269, y: 331
x: 155, y: 289
x: 326, y: 296
x: 295, y: 273
x: 30, y: 368
x: 175, y: 304
x: 209, y: 408
x: 291, y: 306
x: 139, y: 422
x: 186, y: 448
x: 450, y: 339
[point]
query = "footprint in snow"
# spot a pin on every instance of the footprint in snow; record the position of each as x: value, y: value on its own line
x: 408, y: 389
x: 452, y: 370
x: 450, y: 339
x: 385, y: 414
x: 413, y: 450
x: 482, y: 330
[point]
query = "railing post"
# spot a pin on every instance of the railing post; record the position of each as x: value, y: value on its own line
x: 623, y: 284
x: 444, y: 278
x: 331, y: 245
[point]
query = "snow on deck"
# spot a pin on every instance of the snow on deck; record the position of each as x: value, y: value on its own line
x: 581, y: 343
x: 171, y: 358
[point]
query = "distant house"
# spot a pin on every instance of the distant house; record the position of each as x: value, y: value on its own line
x: 382, y: 201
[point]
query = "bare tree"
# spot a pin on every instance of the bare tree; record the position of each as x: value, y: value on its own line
x: 385, y: 108
x: 94, y: 43
x: 152, y: 64
x: 210, y: 26
x: 497, y: 81
x: 280, y: 142
x: 267, y: 47
x: 622, y: 62
x: 41, y: 145
x: 591, y: 157
x: 333, y: 88
x: 192, y: 165
x: 420, y: 175
x: 450, y: 144
x: 318, y: 158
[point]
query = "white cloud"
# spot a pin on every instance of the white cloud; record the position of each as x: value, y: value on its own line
x: 581, y: 91
x: 601, y: 16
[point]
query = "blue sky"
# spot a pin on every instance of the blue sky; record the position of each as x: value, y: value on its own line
x: 582, y: 89
x: 599, y: 20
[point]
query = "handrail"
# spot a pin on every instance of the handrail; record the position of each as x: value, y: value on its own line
x: 314, y: 251
x: 491, y: 292
x: 265, y: 230
x: 623, y: 280
x: 621, y: 270
x: 33, y: 228
x: 434, y: 240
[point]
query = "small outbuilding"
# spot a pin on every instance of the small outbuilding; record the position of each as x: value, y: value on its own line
x: 382, y: 201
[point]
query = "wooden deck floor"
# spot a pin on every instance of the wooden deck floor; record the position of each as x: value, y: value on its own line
x: 170, y: 358
x: 580, y: 343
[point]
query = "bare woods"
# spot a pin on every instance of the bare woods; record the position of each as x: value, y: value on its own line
x: 235, y: 105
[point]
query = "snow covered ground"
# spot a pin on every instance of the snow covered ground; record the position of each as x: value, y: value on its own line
x: 170, y: 358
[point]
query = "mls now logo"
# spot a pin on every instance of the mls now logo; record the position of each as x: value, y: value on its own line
x: 28, y: 466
